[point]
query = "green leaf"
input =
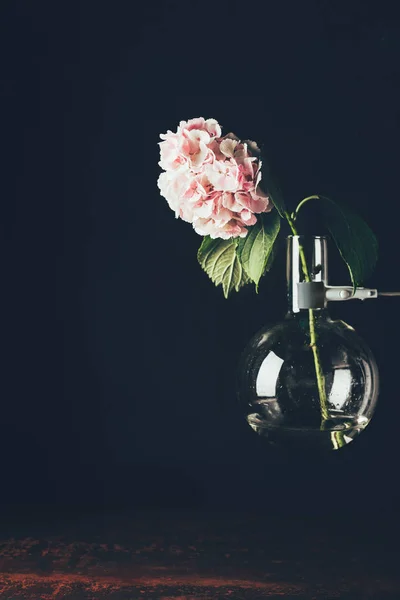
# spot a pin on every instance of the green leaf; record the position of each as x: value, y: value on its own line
x: 355, y: 240
x: 219, y: 260
x: 356, y: 243
x: 255, y: 250
x: 271, y: 258
x: 271, y: 187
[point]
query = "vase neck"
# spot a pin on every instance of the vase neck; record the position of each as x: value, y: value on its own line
x: 306, y: 261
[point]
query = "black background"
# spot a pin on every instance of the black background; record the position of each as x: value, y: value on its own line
x: 117, y: 386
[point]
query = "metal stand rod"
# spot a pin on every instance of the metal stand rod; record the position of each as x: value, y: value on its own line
x: 388, y: 293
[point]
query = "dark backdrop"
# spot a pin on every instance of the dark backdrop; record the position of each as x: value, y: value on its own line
x: 117, y: 386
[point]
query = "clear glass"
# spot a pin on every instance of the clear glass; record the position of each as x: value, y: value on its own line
x: 278, y: 384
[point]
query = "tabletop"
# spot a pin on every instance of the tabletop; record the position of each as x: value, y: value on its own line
x: 168, y: 555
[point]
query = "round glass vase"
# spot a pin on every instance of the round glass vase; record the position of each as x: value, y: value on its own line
x: 308, y: 381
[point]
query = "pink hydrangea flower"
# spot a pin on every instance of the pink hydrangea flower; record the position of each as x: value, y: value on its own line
x: 211, y: 181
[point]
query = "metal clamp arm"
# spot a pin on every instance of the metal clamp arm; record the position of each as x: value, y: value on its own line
x: 315, y: 294
x: 343, y: 292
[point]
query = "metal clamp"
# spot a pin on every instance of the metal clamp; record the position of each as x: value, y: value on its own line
x: 337, y: 293
x: 316, y: 294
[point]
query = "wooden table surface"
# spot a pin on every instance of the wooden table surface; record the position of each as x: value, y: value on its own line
x: 197, y: 556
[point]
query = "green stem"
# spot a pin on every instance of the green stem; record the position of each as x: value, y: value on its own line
x: 296, y: 212
x: 313, y: 333
x: 337, y: 438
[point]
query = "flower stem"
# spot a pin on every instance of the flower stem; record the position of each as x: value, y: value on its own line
x: 313, y: 333
x: 296, y: 212
x: 318, y: 367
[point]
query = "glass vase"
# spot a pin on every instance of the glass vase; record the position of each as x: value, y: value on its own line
x: 308, y: 381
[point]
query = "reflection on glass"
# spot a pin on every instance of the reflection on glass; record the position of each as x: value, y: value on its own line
x: 268, y: 375
x: 341, y: 388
